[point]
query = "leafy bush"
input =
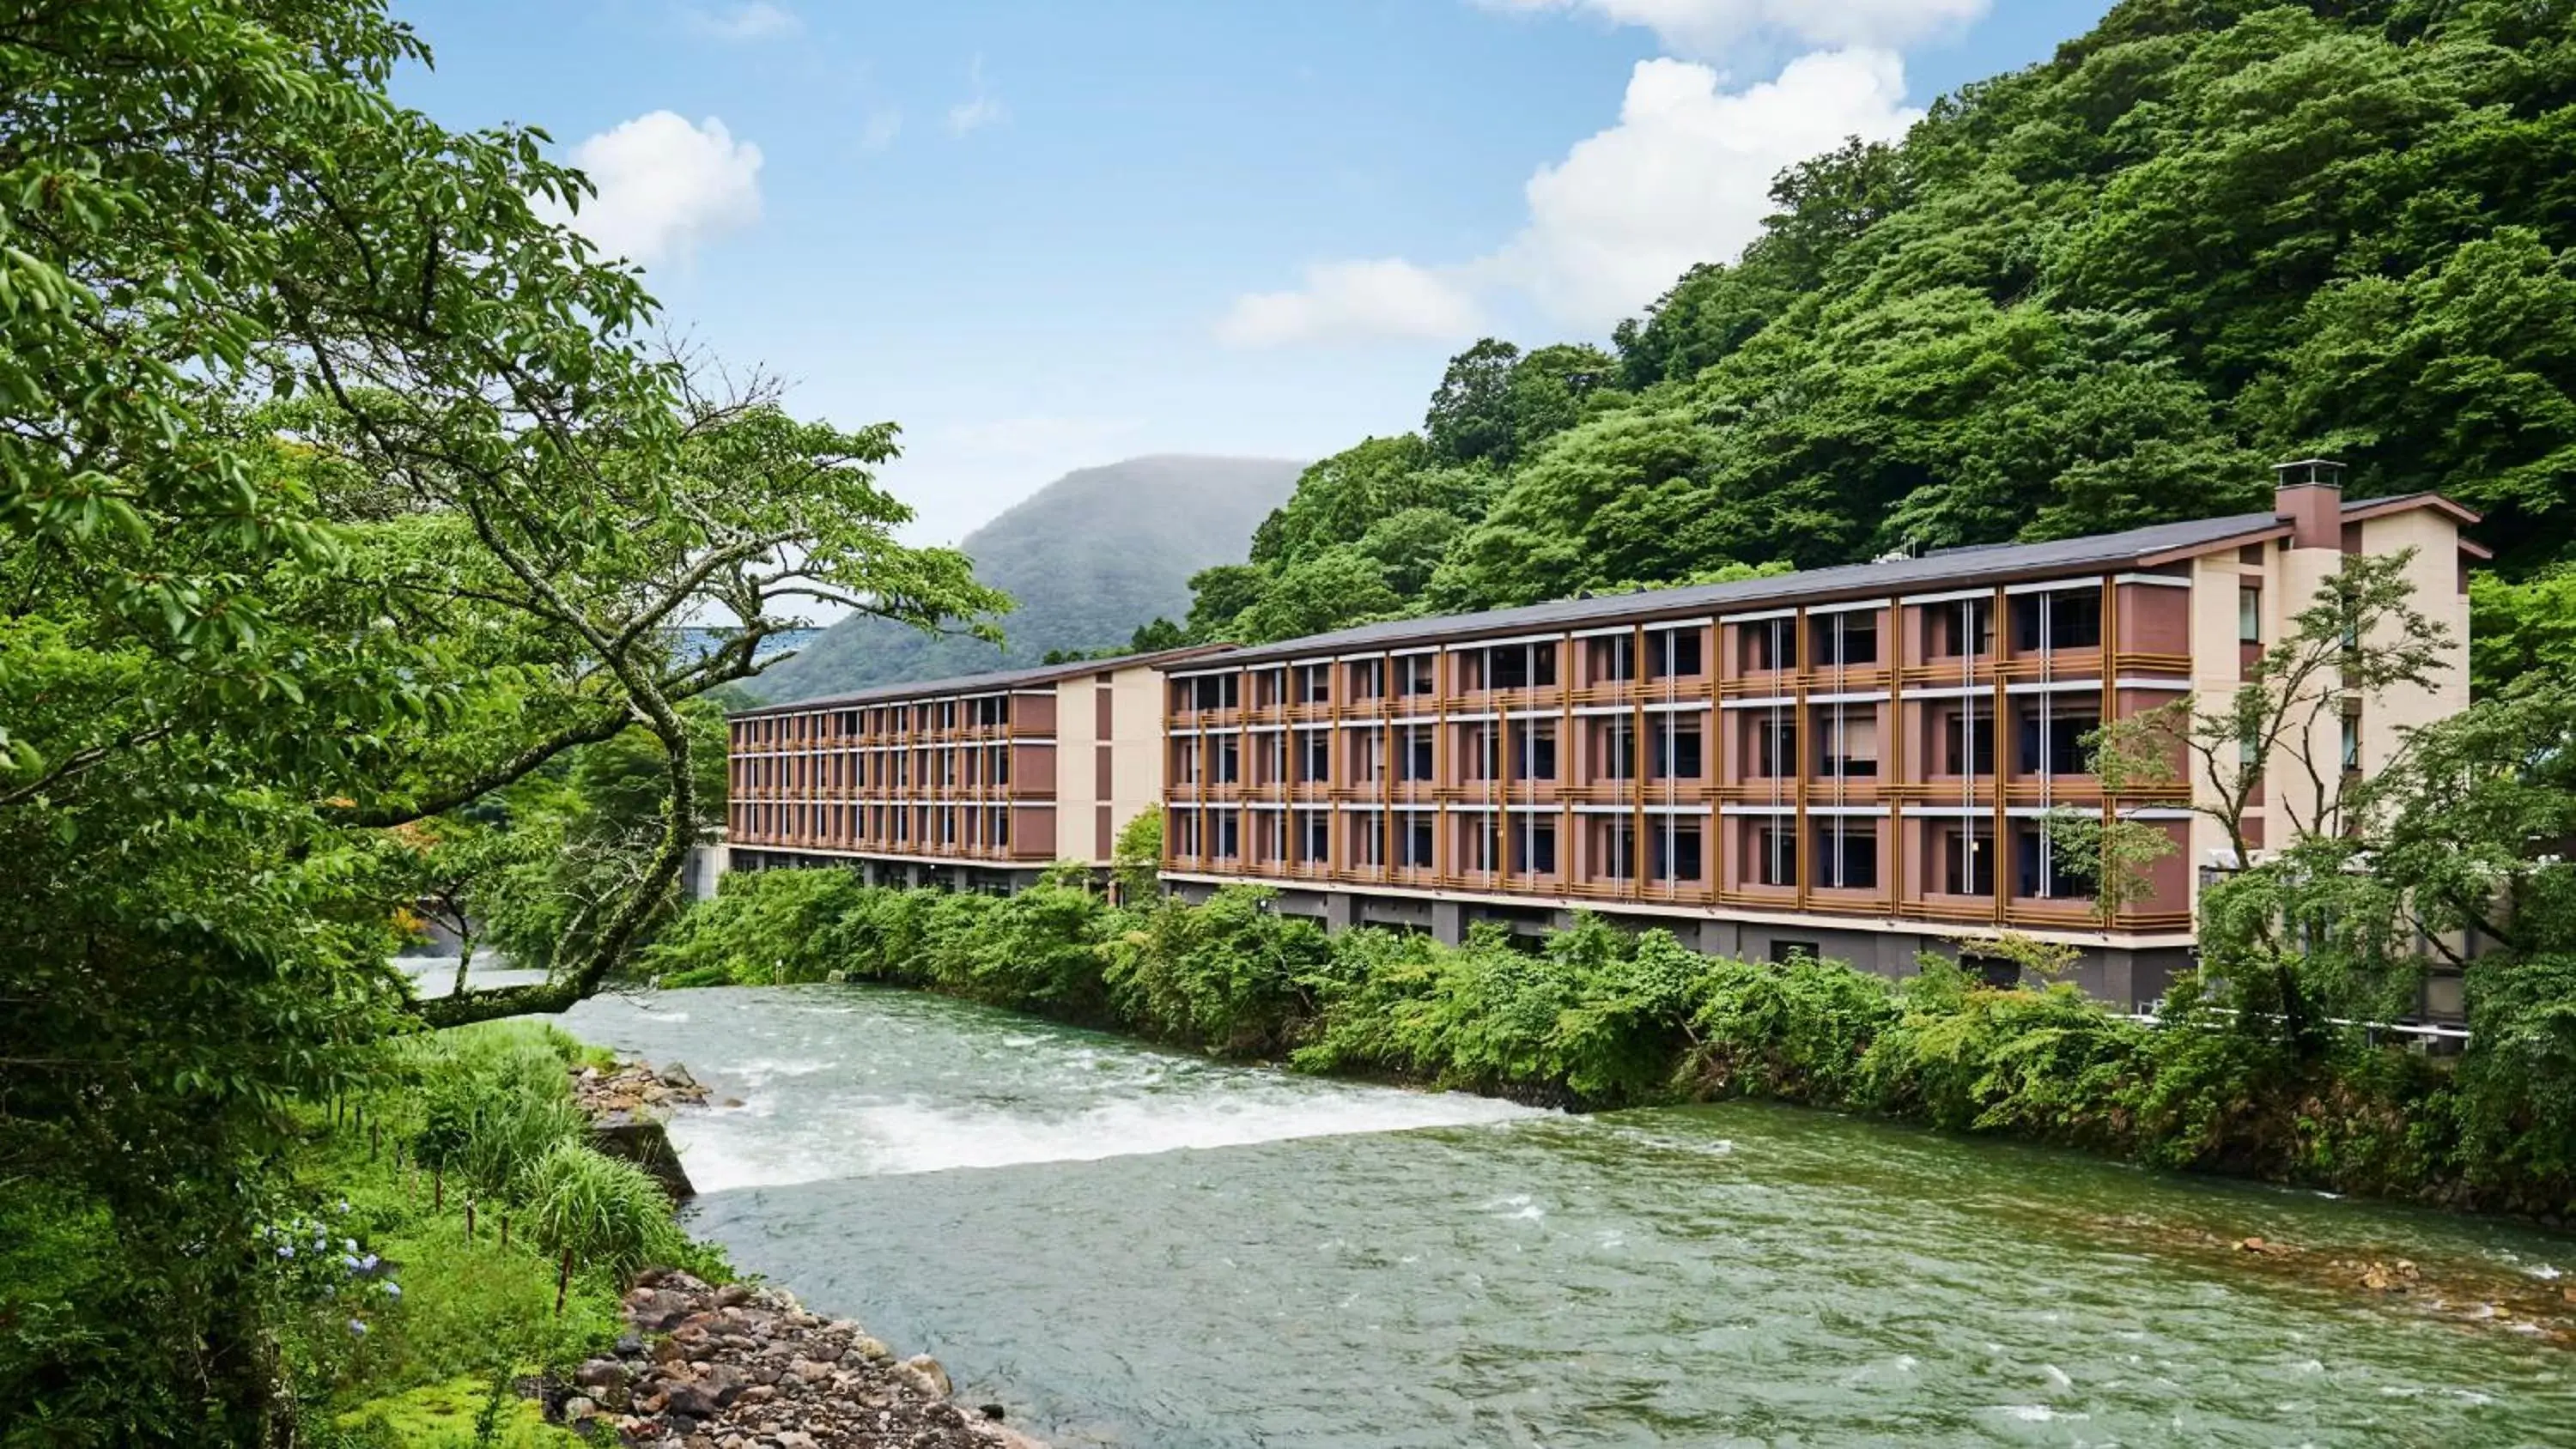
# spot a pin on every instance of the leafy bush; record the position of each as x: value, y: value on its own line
x: 763, y: 928
x: 1228, y: 975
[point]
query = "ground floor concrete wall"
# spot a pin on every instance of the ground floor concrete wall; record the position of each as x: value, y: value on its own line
x: 902, y: 874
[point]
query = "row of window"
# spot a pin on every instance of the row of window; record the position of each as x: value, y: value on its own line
x: 2049, y: 739
x: 1840, y: 853
x: 950, y: 768
x: 925, y: 826
x: 822, y: 726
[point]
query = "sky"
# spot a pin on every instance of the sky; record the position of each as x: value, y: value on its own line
x: 1043, y: 235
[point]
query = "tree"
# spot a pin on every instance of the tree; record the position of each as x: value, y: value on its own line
x: 1471, y: 414
x: 340, y: 490
x: 1136, y: 860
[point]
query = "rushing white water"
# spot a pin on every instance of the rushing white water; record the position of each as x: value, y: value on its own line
x: 900, y: 1091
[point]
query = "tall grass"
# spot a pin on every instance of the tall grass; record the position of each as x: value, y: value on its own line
x: 587, y: 1208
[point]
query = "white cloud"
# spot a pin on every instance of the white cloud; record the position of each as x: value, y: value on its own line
x: 979, y: 109
x: 665, y: 186
x: 1704, y: 28
x: 754, y: 20
x: 1685, y: 176
x: 1346, y: 300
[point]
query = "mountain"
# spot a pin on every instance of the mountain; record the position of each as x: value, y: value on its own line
x: 2100, y: 292
x: 1089, y: 557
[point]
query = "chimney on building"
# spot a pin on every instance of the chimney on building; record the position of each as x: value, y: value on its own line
x: 2308, y: 495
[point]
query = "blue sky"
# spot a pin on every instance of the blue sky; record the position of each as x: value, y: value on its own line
x: 1042, y: 234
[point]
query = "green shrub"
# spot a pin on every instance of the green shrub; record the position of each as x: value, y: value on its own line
x: 766, y: 927
x: 1228, y: 975
x: 1796, y: 1030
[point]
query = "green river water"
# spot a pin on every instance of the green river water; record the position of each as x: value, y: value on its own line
x: 1125, y: 1247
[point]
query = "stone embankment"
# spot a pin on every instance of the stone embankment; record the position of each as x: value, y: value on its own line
x: 628, y: 1105
x: 743, y: 1366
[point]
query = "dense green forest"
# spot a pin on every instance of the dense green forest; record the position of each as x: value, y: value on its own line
x: 2104, y: 291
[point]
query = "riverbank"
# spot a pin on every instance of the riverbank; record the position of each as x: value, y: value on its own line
x: 1600, y: 1018
x: 477, y: 1270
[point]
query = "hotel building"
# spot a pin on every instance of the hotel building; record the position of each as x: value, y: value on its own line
x: 1850, y: 762
x: 978, y: 783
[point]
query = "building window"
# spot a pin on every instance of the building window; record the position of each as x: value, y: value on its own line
x: 1414, y: 838
x: 1968, y: 740
x: 1315, y: 757
x: 1676, y: 750
x: 1775, y: 746
x: 1481, y: 752
x: 1616, y: 746
x: 1534, y: 752
x: 1672, y: 654
x: 1520, y: 666
x: 1314, y: 836
x: 1314, y: 684
x: 1368, y: 755
x: 2249, y: 616
x: 1368, y: 843
x: 2061, y: 619
x: 2043, y: 870
x: 1615, y: 842
x: 1775, y: 854
x: 2352, y: 738
x: 2053, y: 744
x: 1676, y: 853
x: 1185, y: 760
x: 1418, y: 753
x: 1959, y: 628
x: 1368, y: 679
x: 1846, y: 741
x: 1484, y: 837
x: 1414, y: 674
x: 1534, y: 845
x: 1229, y: 760
x: 1614, y: 658
x: 1846, y: 638
x: 1769, y: 643
x: 1229, y: 834
x: 1847, y: 853
x: 1967, y: 860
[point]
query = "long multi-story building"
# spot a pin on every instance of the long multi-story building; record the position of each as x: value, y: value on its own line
x: 1852, y: 762
x: 977, y: 783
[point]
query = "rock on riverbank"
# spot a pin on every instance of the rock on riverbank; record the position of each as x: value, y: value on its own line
x: 744, y: 1367
x: 628, y: 1104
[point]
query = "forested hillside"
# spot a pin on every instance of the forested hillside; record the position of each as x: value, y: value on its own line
x: 1086, y: 559
x: 2104, y: 291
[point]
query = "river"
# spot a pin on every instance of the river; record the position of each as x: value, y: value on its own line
x: 1127, y: 1247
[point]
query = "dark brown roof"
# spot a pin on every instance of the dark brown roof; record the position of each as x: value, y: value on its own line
x: 996, y: 682
x: 1965, y: 567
